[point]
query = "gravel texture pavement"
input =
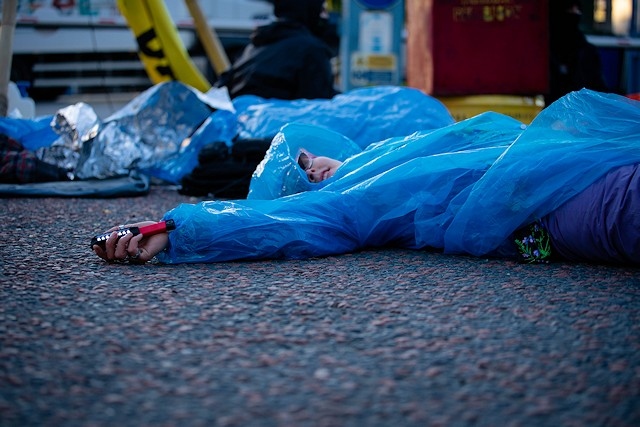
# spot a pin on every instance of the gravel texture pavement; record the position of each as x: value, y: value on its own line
x: 378, y: 338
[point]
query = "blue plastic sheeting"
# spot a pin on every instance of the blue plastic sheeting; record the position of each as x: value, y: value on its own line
x: 31, y: 133
x: 571, y: 144
x: 463, y: 188
x: 343, y: 126
x: 364, y: 115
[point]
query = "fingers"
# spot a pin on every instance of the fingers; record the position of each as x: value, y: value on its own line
x: 121, y: 249
x: 135, y: 253
x: 122, y: 246
x: 100, y: 252
x: 135, y: 249
x: 110, y: 245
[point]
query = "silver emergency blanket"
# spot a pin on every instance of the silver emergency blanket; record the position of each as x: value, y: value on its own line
x: 139, y: 136
x: 151, y: 131
x: 76, y: 124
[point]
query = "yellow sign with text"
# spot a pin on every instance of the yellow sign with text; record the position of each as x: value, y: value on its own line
x: 373, y: 69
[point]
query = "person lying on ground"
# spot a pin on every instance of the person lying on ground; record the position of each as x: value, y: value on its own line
x: 566, y: 187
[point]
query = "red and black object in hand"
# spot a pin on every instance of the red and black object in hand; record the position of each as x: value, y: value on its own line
x: 147, y: 230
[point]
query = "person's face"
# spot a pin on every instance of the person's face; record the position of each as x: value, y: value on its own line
x: 318, y: 168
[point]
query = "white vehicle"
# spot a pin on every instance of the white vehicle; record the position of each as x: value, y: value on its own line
x: 84, y: 46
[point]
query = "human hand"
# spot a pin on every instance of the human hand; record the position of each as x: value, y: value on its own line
x: 137, y: 249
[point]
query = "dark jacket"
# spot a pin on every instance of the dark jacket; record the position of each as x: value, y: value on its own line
x: 285, y: 61
x: 574, y: 63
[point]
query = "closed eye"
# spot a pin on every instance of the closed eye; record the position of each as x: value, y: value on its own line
x: 305, y: 162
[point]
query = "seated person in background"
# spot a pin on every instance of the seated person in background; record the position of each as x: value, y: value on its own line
x: 574, y: 62
x: 567, y: 186
x: 286, y: 59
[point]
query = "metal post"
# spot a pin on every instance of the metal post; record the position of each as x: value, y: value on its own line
x: 210, y: 41
x: 9, y: 12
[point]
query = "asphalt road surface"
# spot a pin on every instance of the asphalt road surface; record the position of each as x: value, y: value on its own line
x: 377, y: 338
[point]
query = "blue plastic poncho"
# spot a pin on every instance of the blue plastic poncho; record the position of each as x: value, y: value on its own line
x: 278, y: 175
x: 462, y: 189
x: 568, y: 146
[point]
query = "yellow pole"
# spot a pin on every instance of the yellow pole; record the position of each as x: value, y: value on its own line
x: 210, y: 41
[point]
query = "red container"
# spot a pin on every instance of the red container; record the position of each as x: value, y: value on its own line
x: 474, y: 47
